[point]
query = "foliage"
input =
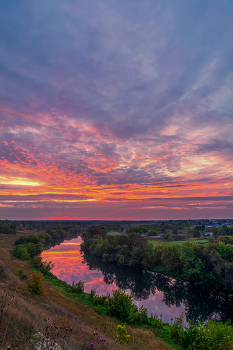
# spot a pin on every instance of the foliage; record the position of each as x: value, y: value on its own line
x: 225, y: 251
x: 92, y: 294
x: 121, y: 305
x: 200, y: 336
x: 36, y: 261
x: 21, y: 252
x: 46, y: 267
x: 8, y: 228
x: 121, y: 334
x: 226, y: 239
x: 211, y: 335
x: 210, y: 264
x: 19, y: 272
x: 136, y: 229
x: 29, y: 247
x: 155, y: 321
x: 36, y: 283
x: 78, y: 287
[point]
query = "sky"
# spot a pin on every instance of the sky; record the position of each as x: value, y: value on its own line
x: 115, y: 109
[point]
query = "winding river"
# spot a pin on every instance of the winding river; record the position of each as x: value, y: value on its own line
x: 159, y: 294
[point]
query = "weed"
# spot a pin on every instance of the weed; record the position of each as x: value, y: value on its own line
x: 19, y: 272
x: 121, y: 334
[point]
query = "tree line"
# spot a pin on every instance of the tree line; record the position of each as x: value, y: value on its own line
x: 210, y: 264
x: 27, y: 247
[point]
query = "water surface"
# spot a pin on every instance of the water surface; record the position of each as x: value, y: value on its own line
x: 159, y: 294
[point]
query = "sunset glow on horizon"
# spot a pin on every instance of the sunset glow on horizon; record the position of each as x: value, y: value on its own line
x: 116, y: 110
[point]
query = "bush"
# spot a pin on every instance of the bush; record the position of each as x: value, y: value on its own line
x: 142, y: 315
x: 46, y: 267
x: 21, y: 252
x: 121, y: 334
x: 37, y: 261
x: 121, y: 305
x: 36, y: 283
x: 199, y: 336
x: 23, y: 276
x: 214, y: 335
x: 92, y: 293
x: 78, y: 287
x: 19, y: 272
x: 155, y: 321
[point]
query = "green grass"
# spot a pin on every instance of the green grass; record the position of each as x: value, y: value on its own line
x: 112, y: 233
x: 162, y: 334
x: 158, y: 241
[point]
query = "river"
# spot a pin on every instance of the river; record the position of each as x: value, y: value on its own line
x: 159, y: 294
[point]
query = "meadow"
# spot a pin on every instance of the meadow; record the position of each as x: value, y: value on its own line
x: 156, y: 242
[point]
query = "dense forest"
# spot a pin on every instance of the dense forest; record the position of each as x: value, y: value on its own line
x: 210, y: 264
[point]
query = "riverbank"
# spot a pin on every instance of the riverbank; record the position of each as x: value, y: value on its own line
x: 207, y: 265
x: 68, y: 327
x: 29, y: 314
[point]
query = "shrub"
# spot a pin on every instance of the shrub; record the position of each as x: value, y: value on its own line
x: 46, y: 267
x: 36, y: 283
x: 142, y: 315
x: 37, y: 261
x: 21, y: 252
x: 19, y: 272
x: 155, y: 321
x: 121, y: 334
x: 121, y: 305
x: 78, y: 287
x: 92, y: 294
x: 214, y: 335
x: 203, y: 336
x: 23, y: 276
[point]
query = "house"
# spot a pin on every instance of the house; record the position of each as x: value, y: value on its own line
x: 208, y: 234
x: 160, y: 236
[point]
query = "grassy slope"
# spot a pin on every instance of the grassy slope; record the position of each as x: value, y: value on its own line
x: 29, y: 312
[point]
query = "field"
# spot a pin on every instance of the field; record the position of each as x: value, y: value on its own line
x: 156, y: 242
x: 112, y: 233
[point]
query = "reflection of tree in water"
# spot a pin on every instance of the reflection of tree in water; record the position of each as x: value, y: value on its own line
x: 140, y: 282
x: 200, y: 302
x: 109, y: 278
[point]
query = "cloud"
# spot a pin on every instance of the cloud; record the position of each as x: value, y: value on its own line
x: 102, y: 98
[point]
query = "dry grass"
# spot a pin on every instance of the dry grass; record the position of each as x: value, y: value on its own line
x: 66, y: 321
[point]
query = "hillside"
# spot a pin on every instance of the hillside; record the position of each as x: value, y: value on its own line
x: 68, y: 322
